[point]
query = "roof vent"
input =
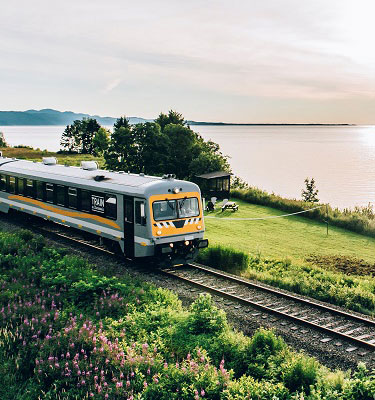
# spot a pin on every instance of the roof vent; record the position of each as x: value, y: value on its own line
x: 99, y: 178
x: 169, y: 176
x: 141, y: 174
x: 121, y: 172
x: 89, y: 165
x: 50, y: 160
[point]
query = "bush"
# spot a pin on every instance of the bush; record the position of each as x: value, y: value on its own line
x: 300, y: 373
x: 260, y: 353
x: 224, y: 258
x: 248, y: 388
x: 205, y: 317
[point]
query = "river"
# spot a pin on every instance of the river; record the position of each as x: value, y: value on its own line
x: 275, y: 158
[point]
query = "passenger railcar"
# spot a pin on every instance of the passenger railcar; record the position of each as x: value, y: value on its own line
x: 160, y: 218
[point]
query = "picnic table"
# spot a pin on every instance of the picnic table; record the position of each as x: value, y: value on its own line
x: 230, y: 205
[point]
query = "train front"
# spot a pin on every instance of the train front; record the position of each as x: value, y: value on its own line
x: 177, y: 222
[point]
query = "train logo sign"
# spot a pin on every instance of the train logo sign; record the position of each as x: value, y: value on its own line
x: 97, y: 204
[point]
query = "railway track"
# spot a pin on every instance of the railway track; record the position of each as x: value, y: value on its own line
x: 354, y: 332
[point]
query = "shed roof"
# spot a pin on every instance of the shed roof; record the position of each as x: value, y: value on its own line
x: 216, y: 174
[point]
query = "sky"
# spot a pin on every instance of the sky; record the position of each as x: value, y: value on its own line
x: 268, y: 61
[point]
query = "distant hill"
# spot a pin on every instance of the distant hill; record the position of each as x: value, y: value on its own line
x: 53, y: 117
x: 48, y: 116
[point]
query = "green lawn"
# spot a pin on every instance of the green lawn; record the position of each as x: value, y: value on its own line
x: 37, y: 155
x: 293, y: 236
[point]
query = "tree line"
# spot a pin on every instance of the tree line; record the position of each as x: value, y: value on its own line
x: 167, y: 145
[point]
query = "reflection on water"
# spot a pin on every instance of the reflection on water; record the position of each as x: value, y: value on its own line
x: 275, y: 158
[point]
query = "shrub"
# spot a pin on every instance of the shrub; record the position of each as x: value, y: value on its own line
x: 300, y: 373
x: 224, y: 258
x: 204, y: 317
x: 260, y: 353
x: 248, y: 388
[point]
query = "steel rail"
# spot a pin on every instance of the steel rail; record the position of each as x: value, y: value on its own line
x: 268, y: 309
x: 309, y: 302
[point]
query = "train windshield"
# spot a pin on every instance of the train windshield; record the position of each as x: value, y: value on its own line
x: 173, y: 209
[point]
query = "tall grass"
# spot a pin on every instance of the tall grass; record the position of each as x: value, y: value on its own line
x: 360, y: 219
x: 224, y: 258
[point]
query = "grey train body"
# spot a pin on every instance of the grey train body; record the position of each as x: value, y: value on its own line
x: 120, y: 207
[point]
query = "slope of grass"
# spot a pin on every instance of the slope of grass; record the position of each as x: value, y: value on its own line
x: 294, y: 236
x: 27, y: 153
x: 358, y: 219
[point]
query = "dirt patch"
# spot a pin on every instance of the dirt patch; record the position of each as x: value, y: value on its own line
x: 344, y: 264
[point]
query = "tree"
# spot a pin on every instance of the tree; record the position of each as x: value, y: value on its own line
x: 173, y: 117
x: 310, y: 193
x: 79, y: 136
x: 3, y: 143
x: 90, y: 127
x: 121, y: 155
x: 100, y: 141
x: 68, y: 140
x: 121, y: 122
x: 164, y: 146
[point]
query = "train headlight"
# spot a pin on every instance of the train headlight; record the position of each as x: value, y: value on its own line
x: 187, y: 243
x: 158, y: 233
x: 176, y: 190
x: 199, y: 227
x: 171, y: 244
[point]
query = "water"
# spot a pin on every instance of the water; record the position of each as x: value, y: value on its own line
x: 275, y: 158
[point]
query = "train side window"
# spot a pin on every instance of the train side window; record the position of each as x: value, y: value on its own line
x: 49, y: 192
x: 60, y: 195
x: 40, y: 190
x: 85, y: 201
x: 111, y: 206
x: 72, y: 198
x: 30, y: 191
x: 3, y: 183
x: 140, y: 215
x: 12, y: 184
x: 20, y: 186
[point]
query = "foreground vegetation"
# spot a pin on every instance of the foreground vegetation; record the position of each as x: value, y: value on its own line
x: 354, y: 292
x: 359, y: 219
x: 69, y: 332
x: 295, y: 237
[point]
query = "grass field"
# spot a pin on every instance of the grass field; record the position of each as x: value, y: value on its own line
x: 37, y: 155
x: 294, y: 237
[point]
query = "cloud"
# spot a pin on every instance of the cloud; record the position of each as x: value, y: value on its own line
x: 185, y: 53
x: 112, y: 85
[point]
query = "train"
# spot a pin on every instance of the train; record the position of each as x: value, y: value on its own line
x: 146, y: 217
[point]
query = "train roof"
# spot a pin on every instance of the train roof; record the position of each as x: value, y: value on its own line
x: 95, y: 179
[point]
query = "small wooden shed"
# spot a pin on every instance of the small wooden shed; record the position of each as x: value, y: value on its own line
x: 215, y: 184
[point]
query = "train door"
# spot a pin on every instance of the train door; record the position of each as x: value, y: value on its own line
x: 141, y: 234
x: 129, y: 226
